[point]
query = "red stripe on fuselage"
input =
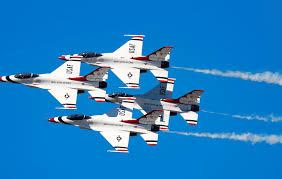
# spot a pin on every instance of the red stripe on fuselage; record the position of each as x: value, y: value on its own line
x: 131, y: 121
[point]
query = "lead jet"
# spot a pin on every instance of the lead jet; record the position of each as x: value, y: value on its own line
x: 160, y: 98
x: 127, y: 61
x: 64, y: 83
x: 117, y: 125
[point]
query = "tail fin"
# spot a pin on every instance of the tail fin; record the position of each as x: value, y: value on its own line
x: 161, y: 91
x: 150, y: 138
x: 163, y: 122
x: 190, y: 117
x: 163, y: 54
x: 192, y: 97
x: 132, y: 48
x: 68, y: 69
x: 100, y: 74
x: 151, y: 117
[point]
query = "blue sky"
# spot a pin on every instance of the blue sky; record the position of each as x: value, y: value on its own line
x: 239, y: 35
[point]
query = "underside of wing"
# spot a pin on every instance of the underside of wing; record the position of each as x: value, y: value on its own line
x: 66, y: 96
x: 118, y: 139
x: 129, y: 76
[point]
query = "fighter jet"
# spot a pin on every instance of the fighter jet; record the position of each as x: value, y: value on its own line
x: 117, y: 125
x: 160, y: 98
x: 127, y: 61
x: 65, y: 83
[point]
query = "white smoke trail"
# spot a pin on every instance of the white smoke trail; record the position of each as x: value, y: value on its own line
x: 268, y: 118
x: 267, y: 77
x: 245, y: 137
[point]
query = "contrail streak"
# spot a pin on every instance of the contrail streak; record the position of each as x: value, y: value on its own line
x: 268, y: 118
x: 245, y: 137
x: 267, y: 76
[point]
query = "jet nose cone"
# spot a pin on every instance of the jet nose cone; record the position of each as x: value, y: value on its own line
x: 1, y: 79
x: 62, y: 57
x: 52, y: 120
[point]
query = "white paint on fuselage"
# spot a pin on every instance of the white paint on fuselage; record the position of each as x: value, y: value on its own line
x: 109, y: 60
x: 104, y: 123
x: 47, y: 81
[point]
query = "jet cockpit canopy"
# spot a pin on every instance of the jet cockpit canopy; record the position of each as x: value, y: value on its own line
x: 120, y: 95
x: 78, y: 117
x: 90, y: 54
x: 26, y: 75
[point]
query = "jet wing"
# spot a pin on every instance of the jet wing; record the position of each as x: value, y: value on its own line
x: 118, y: 139
x: 129, y: 76
x: 66, y: 96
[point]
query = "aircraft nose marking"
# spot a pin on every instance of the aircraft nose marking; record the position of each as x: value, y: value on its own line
x: 119, y: 138
x: 9, y: 79
x: 52, y: 120
x: 62, y: 57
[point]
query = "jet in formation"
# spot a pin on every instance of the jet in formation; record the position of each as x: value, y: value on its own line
x: 64, y: 83
x: 127, y: 61
x: 160, y: 98
x: 117, y: 125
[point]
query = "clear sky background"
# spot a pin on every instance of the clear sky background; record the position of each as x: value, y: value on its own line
x: 226, y: 35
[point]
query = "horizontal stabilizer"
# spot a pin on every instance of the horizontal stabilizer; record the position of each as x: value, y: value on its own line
x: 161, y: 75
x: 190, y: 117
x: 150, y: 138
x: 98, y: 95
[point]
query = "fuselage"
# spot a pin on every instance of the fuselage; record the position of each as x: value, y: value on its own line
x: 100, y: 123
x: 146, y: 104
x: 113, y: 61
x: 47, y: 81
